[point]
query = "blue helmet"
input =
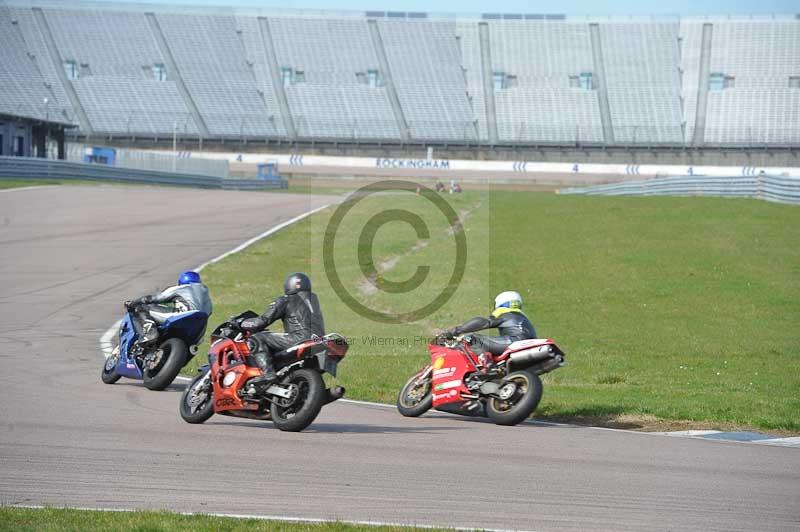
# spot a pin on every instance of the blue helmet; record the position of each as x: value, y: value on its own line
x: 189, y: 278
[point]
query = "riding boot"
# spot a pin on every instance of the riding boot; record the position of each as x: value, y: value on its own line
x: 267, y: 367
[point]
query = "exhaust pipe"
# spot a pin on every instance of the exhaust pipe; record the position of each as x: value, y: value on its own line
x: 333, y: 394
x: 549, y: 365
x: 530, y: 356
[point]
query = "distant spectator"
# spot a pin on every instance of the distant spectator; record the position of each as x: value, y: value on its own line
x: 439, y: 186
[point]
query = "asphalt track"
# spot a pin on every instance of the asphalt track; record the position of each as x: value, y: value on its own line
x: 68, y: 257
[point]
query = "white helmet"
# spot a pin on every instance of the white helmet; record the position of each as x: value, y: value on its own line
x: 508, y: 299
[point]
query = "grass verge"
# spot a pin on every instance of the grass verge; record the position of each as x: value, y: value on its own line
x: 19, y: 183
x: 63, y: 519
x: 669, y: 309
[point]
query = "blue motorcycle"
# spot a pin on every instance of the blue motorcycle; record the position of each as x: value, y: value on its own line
x: 157, y: 364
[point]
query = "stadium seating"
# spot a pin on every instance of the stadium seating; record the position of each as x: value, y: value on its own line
x: 759, y: 107
x: 335, y: 99
x: 542, y: 106
x: 23, y: 87
x: 390, y: 77
x: 691, y: 39
x: 470, y: 46
x: 425, y: 65
x: 211, y: 60
x: 642, y: 76
x: 119, y: 52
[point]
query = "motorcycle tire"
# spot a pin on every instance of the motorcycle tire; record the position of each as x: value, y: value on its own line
x: 409, y: 409
x: 108, y: 374
x: 311, y: 397
x: 175, y: 351
x: 505, y: 413
x: 205, y: 409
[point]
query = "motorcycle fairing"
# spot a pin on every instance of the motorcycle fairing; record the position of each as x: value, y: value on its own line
x: 228, y: 364
x: 126, y: 365
x: 449, y: 367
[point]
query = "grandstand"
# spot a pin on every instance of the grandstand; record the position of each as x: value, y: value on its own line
x: 221, y: 74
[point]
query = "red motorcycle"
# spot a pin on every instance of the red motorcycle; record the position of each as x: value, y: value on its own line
x: 506, y: 387
x: 224, y: 385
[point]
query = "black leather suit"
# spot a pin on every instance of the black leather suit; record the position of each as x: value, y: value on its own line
x: 302, y: 319
x: 512, y: 325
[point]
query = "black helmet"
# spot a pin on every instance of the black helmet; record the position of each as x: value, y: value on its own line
x: 296, y: 282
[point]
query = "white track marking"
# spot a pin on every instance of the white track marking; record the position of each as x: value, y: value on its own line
x: 286, y: 518
x: 689, y: 433
x: 17, y: 189
x: 785, y: 442
x: 263, y: 235
x: 365, y: 403
x: 106, y: 343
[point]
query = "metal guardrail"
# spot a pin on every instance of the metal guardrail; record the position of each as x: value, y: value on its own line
x: 767, y: 187
x: 33, y: 168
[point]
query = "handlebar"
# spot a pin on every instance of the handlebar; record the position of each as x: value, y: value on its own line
x: 451, y: 341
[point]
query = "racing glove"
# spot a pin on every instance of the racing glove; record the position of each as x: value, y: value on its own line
x: 252, y: 324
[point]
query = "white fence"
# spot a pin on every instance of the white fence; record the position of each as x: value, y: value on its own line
x: 296, y: 161
x: 767, y: 187
x: 179, y: 162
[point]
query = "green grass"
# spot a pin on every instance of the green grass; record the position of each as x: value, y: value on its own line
x: 60, y: 519
x: 18, y: 183
x: 667, y: 308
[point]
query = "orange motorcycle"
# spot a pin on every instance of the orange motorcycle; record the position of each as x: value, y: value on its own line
x: 224, y: 386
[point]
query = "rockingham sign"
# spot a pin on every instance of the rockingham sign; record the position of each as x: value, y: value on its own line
x: 434, y: 164
x: 458, y: 167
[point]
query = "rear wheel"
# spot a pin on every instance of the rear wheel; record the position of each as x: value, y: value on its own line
x: 415, y: 398
x: 296, y: 413
x: 109, y: 373
x: 197, y: 401
x: 161, y: 368
x: 519, y: 396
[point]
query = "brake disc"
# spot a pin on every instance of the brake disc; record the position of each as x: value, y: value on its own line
x: 288, y: 401
x: 153, y: 359
x: 507, y: 391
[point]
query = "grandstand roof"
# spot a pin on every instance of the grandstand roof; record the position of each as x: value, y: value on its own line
x: 166, y: 7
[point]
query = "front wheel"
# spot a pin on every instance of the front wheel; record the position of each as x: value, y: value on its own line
x: 165, y: 364
x: 518, y: 398
x: 109, y: 373
x: 197, y: 401
x: 415, y: 398
x: 299, y: 411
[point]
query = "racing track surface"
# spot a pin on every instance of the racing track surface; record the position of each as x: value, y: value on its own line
x: 68, y: 257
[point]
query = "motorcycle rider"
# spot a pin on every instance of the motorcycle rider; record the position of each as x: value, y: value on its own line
x: 512, y: 324
x: 189, y: 294
x: 300, y: 312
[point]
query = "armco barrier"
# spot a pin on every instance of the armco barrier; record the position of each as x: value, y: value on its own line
x: 32, y: 168
x: 771, y: 188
